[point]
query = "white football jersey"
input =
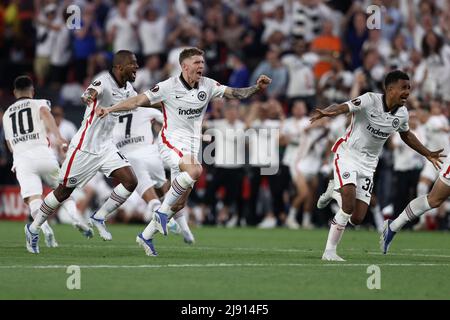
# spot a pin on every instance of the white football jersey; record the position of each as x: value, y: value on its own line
x: 184, y: 108
x: 436, y: 137
x: 134, y: 129
x: 24, y: 128
x: 95, y: 134
x: 371, y: 126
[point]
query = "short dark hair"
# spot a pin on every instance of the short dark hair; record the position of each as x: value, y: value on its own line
x: 190, y: 52
x: 394, y: 76
x: 121, y: 57
x: 23, y: 83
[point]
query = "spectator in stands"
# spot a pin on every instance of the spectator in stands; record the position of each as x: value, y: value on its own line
x: 274, y: 69
x: 301, y: 85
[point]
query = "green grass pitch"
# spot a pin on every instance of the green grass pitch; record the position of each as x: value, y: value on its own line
x: 224, y: 263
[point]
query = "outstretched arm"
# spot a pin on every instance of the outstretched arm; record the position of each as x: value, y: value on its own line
x: 243, y: 93
x: 141, y: 100
x: 331, y: 111
x: 433, y: 156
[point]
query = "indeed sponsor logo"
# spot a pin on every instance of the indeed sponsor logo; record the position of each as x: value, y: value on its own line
x: 189, y: 112
x: 377, y: 132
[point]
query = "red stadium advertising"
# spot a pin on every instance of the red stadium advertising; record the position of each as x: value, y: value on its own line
x: 12, y: 206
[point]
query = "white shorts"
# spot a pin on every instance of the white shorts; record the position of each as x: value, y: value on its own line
x: 346, y: 172
x: 444, y: 175
x: 31, y: 172
x: 171, y: 154
x: 79, y: 167
x: 309, y: 167
x: 429, y: 171
x: 149, y: 170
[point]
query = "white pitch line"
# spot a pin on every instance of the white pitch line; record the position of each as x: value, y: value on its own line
x: 228, y: 265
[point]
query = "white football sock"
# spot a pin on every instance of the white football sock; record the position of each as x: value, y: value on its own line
x: 150, y: 209
x: 292, y: 213
x: 118, y: 196
x: 149, y: 230
x: 181, y: 218
x: 306, y: 220
x: 337, y: 228
x: 48, y: 207
x: 414, y: 209
x: 70, y: 207
x: 179, y: 186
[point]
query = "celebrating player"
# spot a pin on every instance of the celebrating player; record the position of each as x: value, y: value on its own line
x: 28, y: 125
x: 183, y: 99
x: 92, y: 149
x: 375, y: 117
x: 418, y: 206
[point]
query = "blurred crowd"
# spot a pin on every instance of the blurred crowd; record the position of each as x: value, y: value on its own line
x: 317, y: 52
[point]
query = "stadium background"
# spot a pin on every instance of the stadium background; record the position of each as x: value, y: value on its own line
x: 318, y: 52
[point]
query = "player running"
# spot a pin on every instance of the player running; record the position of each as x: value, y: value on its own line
x: 418, y: 206
x: 92, y: 149
x: 375, y: 117
x: 28, y: 124
x: 184, y: 100
x: 134, y: 137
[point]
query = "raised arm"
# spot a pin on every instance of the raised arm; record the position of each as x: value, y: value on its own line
x: 141, y: 100
x: 433, y: 156
x: 243, y: 93
x: 331, y: 111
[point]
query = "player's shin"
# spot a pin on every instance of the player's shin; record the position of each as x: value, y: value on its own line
x: 337, y: 228
x: 179, y: 186
x: 414, y: 209
x: 47, y: 208
x: 118, y: 196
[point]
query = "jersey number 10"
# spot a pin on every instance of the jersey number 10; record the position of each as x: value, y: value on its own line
x: 20, y: 115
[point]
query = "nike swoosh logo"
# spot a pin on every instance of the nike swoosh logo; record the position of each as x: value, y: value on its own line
x: 178, y: 97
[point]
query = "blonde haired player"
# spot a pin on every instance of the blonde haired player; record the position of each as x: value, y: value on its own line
x: 184, y: 99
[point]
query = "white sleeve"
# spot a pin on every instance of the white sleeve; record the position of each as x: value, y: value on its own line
x: 217, y: 90
x: 404, y: 127
x: 157, y: 93
x: 158, y: 116
x: 46, y: 104
x: 360, y: 102
x: 97, y: 85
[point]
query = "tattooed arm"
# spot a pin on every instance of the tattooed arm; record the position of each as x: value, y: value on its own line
x: 243, y: 93
x: 89, y: 96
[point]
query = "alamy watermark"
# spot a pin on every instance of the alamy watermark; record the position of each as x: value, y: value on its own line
x: 74, y: 280
x: 374, y: 280
x: 73, y: 22
x: 374, y: 17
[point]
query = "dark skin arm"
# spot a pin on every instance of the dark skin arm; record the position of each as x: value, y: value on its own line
x: 433, y: 156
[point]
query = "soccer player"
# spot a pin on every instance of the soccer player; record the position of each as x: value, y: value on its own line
x: 375, y: 117
x: 28, y: 125
x: 437, y: 136
x: 133, y: 136
x: 417, y: 207
x: 184, y: 99
x: 92, y: 149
